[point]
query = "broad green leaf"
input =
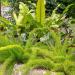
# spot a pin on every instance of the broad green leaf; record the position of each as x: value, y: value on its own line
x: 5, y: 21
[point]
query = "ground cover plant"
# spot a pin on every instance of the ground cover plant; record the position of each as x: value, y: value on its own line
x: 45, y: 45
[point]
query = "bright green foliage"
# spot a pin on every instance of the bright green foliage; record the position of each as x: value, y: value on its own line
x: 55, y: 53
x: 10, y: 50
x: 37, y: 63
x: 7, y: 66
x: 5, y: 41
x: 24, y: 10
x: 45, y: 48
x: 55, y: 73
x: 50, y: 56
x: 25, y: 22
x: 9, y: 56
x: 40, y: 11
x: 5, y: 22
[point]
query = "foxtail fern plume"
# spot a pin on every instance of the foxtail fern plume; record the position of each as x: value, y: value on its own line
x: 36, y: 64
x: 40, y: 11
x: 11, y: 50
x: 9, y: 56
x: 7, y: 66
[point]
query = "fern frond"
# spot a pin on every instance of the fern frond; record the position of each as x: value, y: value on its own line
x: 10, y: 68
x: 11, y: 50
x: 69, y: 67
x: 65, y: 46
x: 23, y: 17
x: 7, y: 66
x: 5, y: 40
x: 57, y: 39
x: 37, y: 63
x: 40, y: 11
x: 67, y: 8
